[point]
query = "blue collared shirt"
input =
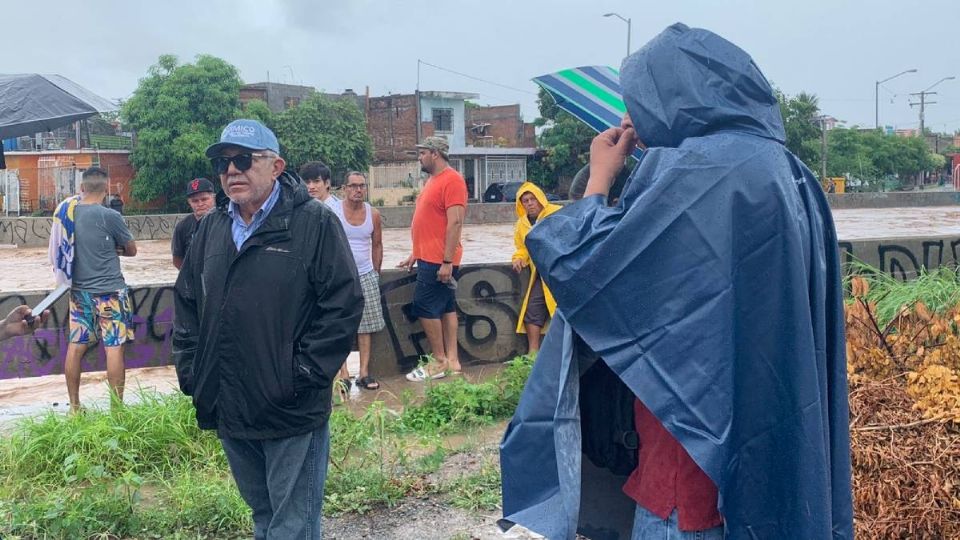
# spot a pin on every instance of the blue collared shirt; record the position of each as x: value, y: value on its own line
x: 242, y: 231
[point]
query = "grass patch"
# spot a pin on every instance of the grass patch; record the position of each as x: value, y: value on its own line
x: 938, y: 290
x: 479, y: 491
x: 449, y: 407
x: 144, y: 467
x: 147, y: 471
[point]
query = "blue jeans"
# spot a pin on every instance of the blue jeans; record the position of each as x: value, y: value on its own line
x: 282, y: 482
x: 649, y: 526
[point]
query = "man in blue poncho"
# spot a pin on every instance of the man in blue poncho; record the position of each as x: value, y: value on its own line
x: 712, y: 291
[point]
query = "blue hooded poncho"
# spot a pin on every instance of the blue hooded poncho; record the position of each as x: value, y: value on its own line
x: 712, y: 289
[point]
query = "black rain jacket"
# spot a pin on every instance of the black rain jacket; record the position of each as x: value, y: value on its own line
x: 260, y: 333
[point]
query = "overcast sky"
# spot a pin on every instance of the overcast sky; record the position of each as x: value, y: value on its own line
x: 836, y: 49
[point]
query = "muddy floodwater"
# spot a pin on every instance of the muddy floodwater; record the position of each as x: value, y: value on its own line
x: 27, y: 268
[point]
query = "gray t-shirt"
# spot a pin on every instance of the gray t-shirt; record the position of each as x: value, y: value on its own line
x: 96, y: 265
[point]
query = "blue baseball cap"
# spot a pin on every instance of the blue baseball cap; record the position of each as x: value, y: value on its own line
x: 246, y: 134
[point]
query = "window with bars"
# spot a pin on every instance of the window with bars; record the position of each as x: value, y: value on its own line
x: 443, y: 120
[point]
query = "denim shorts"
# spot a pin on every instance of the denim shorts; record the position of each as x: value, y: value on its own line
x: 432, y: 298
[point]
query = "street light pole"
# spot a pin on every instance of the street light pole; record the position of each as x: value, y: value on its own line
x: 626, y: 20
x: 876, y: 96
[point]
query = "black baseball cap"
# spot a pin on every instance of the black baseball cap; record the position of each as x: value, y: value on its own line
x: 200, y: 185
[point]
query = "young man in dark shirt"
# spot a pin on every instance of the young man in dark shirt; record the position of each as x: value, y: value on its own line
x: 200, y: 197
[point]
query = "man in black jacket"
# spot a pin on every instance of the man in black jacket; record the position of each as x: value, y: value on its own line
x: 267, y: 303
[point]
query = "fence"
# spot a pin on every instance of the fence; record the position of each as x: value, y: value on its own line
x: 395, y: 175
x: 38, y: 190
x: 10, y: 192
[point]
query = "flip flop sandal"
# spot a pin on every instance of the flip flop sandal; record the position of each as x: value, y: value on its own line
x: 368, y: 383
x: 421, y: 375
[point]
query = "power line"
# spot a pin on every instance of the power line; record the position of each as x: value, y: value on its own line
x: 922, y: 104
x: 477, y: 78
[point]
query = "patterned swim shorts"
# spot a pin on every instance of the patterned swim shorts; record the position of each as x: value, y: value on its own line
x: 103, y: 317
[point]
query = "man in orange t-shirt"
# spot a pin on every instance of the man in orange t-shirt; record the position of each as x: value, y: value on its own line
x: 435, y: 231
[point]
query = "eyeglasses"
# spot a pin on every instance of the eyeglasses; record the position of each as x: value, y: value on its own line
x: 241, y: 161
x: 355, y: 186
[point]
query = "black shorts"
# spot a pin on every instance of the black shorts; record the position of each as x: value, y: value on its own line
x: 536, y: 313
x: 432, y: 298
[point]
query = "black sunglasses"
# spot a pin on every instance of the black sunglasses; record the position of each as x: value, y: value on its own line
x: 241, y: 161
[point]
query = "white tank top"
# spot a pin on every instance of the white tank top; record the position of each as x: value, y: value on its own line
x: 360, y: 238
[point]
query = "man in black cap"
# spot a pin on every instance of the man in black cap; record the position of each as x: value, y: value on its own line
x: 200, y: 196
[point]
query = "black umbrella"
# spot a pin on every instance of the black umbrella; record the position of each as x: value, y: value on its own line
x: 31, y: 103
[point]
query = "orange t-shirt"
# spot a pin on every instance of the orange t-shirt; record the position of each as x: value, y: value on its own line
x: 429, y: 227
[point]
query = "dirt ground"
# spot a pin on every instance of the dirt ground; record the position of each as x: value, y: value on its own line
x: 432, y: 517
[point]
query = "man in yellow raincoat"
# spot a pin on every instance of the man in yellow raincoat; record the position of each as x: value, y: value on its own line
x: 538, y: 303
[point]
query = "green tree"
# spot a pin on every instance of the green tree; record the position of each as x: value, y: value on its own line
x: 801, y: 126
x: 565, y: 140
x: 331, y: 130
x: 850, y: 151
x: 176, y: 111
x: 257, y: 109
x: 877, y: 158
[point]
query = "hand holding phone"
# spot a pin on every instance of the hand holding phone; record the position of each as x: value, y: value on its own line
x: 20, y: 322
x: 47, y: 303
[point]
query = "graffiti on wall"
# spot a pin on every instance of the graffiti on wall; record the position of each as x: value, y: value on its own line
x: 903, y: 258
x: 36, y: 231
x: 43, y: 352
x: 152, y: 227
x: 24, y: 231
x: 488, y: 300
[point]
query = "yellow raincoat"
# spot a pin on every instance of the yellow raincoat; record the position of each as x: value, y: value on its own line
x: 520, y: 231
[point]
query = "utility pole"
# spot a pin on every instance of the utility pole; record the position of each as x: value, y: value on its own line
x: 417, y: 98
x: 923, y: 101
x: 922, y: 104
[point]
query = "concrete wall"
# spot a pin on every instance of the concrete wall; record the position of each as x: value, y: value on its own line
x: 908, y: 199
x: 457, y: 134
x: 903, y: 257
x: 488, y: 296
x: 33, y: 232
x: 399, y: 217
